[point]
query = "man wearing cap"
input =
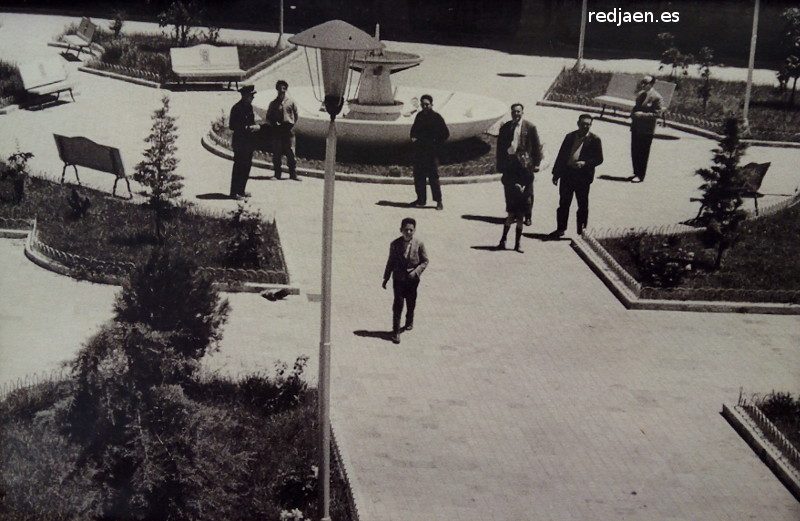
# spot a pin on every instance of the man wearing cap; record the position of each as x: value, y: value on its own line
x: 282, y: 116
x: 643, y: 126
x: 243, y: 124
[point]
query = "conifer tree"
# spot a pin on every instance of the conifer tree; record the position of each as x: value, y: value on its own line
x: 721, y: 211
x: 157, y: 171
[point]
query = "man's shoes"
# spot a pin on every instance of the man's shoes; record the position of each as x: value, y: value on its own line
x: 528, y: 221
x: 240, y: 197
x: 636, y: 179
x: 518, y: 248
x: 277, y: 177
x: 439, y: 206
x: 417, y: 203
x: 409, y: 326
x: 395, y: 338
x: 501, y: 245
x: 556, y: 234
x: 580, y: 229
x: 295, y: 178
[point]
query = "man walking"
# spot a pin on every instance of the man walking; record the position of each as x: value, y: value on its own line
x: 282, y: 116
x: 407, y: 260
x: 643, y: 126
x: 428, y: 132
x: 519, y: 153
x: 242, y: 123
x: 580, y: 153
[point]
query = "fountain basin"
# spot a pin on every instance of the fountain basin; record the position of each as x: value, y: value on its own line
x: 466, y: 115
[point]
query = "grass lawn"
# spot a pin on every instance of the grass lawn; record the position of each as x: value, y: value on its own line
x: 252, y: 459
x: 117, y: 230
x: 770, y: 118
x: 147, y: 55
x: 767, y: 257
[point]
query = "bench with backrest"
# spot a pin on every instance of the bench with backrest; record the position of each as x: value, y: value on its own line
x: 83, y: 38
x: 206, y: 62
x: 750, y: 178
x: 622, y: 89
x: 45, y: 77
x: 80, y: 151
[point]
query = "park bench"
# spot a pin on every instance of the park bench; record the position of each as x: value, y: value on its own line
x: 82, y: 39
x: 750, y: 177
x: 80, y: 151
x: 44, y: 77
x: 206, y: 62
x: 622, y: 89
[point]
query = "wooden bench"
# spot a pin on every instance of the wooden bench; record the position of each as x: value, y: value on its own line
x: 622, y: 89
x: 45, y: 77
x: 82, y: 39
x: 80, y: 151
x: 204, y: 62
x: 751, y: 176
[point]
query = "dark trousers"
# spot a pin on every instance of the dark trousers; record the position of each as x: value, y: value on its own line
x: 640, y: 152
x: 517, y: 202
x: 569, y: 185
x: 426, y: 170
x: 242, y: 161
x: 405, y: 291
x: 283, y: 144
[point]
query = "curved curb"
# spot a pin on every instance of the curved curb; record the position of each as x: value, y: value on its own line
x: 684, y: 127
x: 631, y: 300
x: 121, y: 77
x: 225, y: 153
x: 43, y: 261
x: 766, y: 451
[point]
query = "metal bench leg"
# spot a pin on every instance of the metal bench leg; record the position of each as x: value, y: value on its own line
x: 70, y: 94
x: 602, y: 111
x: 755, y: 203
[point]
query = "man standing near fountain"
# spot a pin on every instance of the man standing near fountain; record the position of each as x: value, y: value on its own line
x: 428, y: 132
x: 243, y: 124
x: 282, y: 116
x: 519, y: 153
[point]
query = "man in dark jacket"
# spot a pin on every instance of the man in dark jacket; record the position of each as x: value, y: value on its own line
x: 428, y: 132
x: 519, y: 153
x: 644, y: 116
x: 242, y: 122
x: 580, y: 153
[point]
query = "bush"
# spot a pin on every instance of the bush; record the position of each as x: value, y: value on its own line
x: 246, y: 248
x: 661, y: 261
x: 784, y: 411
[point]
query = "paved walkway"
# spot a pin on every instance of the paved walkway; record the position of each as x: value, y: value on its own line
x: 526, y: 391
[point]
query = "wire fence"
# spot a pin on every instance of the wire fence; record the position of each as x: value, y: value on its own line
x: 27, y: 381
x: 771, y: 432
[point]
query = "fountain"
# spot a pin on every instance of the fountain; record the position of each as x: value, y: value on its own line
x: 382, y: 114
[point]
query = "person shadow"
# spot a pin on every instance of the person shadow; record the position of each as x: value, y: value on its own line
x: 383, y: 335
x: 213, y: 195
x: 617, y: 178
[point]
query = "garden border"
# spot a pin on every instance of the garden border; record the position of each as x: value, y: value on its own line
x: 635, y: 295
x: 753, y: 433
x: 211, y: 142
x: 113, y: 272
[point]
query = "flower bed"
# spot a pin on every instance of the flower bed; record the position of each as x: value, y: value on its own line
x: 770, y: 118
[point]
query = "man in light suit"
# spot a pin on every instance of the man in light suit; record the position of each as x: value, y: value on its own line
x: 644, y: 116
x: 519, y: 153
x: 407, y: 260
x: 580, y: 153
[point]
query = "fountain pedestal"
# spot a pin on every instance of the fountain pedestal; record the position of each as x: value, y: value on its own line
x: 376, y: 98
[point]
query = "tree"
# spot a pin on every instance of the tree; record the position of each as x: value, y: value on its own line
x: 791, y: 46
x: 157, y: 171
x: 704, y: 63
x: 169, y: 295
x: 721, y: 200
x: 183, y: 17
x: 672, y: 56
x: 128, y: 413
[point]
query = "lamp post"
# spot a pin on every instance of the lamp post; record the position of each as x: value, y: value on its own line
x: 330, y: 48
x: 579, y: 63
x: 750, y: 65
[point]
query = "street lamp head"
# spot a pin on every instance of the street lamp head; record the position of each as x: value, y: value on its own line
x: 332, y: 46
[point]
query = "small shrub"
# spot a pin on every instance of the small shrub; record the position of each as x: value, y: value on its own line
x: 16, y: 169
x: 661, y: 261
x: 246, y: 248
x: 78, y: 204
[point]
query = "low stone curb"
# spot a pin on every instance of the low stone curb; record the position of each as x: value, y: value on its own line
x: 223, y: 152
x: 121, y: 77
x: 6, y: 233
x: 683, y: 127
x: 631, y: 300
x: 766, y: 451
x: 94, y: 47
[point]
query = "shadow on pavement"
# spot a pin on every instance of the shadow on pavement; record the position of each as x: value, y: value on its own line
x: 486, y: 248
x: 69, y: 57
x: 215, y: 195
x: 484, y: 218
x: 383, y: 335
x: 545, y: 237
x: 626, y: 179
x: 396, y: 204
